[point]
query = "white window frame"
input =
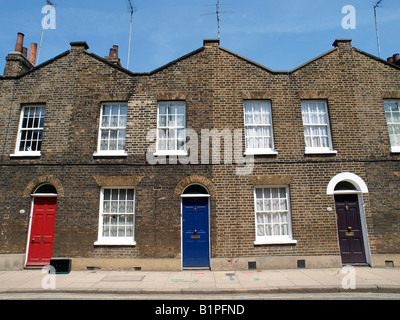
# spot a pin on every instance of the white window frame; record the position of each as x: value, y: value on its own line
x: 274, y: 239
x: 121, y: 241
x: 312, y: 149
x: 259, y: 151
x: 118, y: 128
x: 393, y: 148
x: 35, y: 153
x: 176, y: 127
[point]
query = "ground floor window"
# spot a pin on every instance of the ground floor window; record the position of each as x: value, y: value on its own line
x: 117, y: 216
x: 272, y: 215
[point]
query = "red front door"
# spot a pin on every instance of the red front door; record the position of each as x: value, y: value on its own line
x: 40, y: 246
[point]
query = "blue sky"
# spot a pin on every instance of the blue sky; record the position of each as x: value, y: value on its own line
x: 280, y: 35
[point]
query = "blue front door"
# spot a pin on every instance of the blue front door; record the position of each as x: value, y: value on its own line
x: 195, y: 228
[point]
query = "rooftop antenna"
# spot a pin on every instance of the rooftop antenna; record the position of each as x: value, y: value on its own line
x: 132, y: 9
x: 218, y: 12
x: 377, y: 5
x: 49, y: 3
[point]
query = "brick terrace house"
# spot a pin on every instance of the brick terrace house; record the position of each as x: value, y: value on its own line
x: 211, y: 161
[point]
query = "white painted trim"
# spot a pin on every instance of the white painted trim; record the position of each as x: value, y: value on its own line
x: 110, y: 154
x: 195, y: 195
x: 310, y: 150
x: 29, y: 231
x: 43, y: 195
x: 349, y: 177
x: 277, y: 241
x: 257, y: 152
x: 395, y: 149
x: 171, y: 153
x: 112, y: 242
x: 23, y: 154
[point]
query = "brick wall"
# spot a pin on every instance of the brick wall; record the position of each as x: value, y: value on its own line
x: 213, y: 82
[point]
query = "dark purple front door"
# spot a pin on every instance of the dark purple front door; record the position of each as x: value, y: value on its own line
x: 350, y: 231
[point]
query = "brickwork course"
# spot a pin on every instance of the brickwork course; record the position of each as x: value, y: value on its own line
x: 214, y: 83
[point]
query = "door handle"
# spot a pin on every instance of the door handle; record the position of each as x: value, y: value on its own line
x: 349, y: 233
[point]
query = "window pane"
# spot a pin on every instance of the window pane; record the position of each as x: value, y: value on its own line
x: 315, y: 121
x: 31, y: 128
x: 259, y: 193
x: 170, y: 117
x: 258, y: 125
x: 272, y: 215
x: 119, y: 202
x: 162, y: 109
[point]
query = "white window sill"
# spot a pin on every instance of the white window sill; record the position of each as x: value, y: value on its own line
x: 275, y: 241
x: 256, y: 152
x: 110, y: 154
x: 171, y: 153
x: 26, y: 154
x: 115, y: 243
x: 320, y: 151
x: 395, y: 149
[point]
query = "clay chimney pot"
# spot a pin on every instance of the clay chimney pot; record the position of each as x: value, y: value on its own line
x: 20, y: 42
x: 32, y: 53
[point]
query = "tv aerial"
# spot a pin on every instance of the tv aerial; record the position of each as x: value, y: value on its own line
x: 218, y: 13
x: 51, y: 4
x: 132, y: 9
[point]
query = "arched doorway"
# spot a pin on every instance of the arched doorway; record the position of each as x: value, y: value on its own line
x: 195, y: 227
x: 41, y: 226
x: 347, y: 189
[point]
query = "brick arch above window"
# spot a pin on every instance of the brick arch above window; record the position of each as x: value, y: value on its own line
x: 35, y: 183
x: 194, y: 179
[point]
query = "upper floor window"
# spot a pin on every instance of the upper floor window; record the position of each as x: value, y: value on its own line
x: 317, y: 135
x: 30, y: 133
x: 171, y: 128
x: 258, y: 127
x: 112, y: 135
x: 393, y: 122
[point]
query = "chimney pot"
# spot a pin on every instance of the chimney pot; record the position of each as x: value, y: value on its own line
x: 25, y: 52
x: 396, y: 57
x: 112, y: 52
x: 116, y: 50
x: 390, y: 59
x: 20, y: 42
x: 32, y: 53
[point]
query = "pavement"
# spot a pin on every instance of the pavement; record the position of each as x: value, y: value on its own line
x: 357, y: 279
